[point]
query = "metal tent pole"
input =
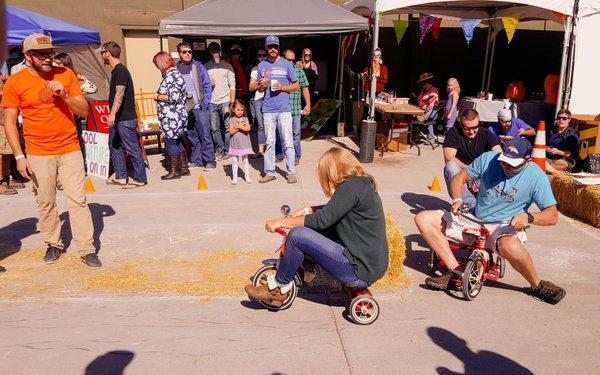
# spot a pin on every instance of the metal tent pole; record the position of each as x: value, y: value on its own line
x: 563, y: 62
x: 373, y: 78
x: 487, y: 54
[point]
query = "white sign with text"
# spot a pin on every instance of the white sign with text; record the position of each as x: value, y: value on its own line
x: 97, y: 154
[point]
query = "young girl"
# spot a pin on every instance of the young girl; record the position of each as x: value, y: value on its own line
x: 451, y: 110
x: 239, y: 146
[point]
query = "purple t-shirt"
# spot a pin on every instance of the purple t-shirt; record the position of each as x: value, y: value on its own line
x: 515, y: 124
x: 283, y: 72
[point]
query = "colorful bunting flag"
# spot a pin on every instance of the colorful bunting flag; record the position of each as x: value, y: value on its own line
x: 425, y: 23
x: 510, y: 25
x: 560, y: 16
x: 435, y: 28
x: 400, y: 27
x: 468, y: 26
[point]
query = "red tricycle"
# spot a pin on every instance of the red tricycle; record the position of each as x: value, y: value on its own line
x: 363, y: 308
x: 479, y: 264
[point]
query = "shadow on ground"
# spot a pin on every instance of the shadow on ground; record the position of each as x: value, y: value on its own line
x: 482, y: 362
x: 110, y: 363
x: 99, y: 212
x: 420, y: 202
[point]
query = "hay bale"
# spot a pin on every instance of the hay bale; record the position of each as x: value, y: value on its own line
x: 394, y: 276
x: 580, y: 201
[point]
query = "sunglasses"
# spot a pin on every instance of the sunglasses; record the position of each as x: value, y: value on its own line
x: 290, y: 60
x: 307, y: 54
x: 186, y: 52
x: 272, y: 46
x: 42, y: 55
x: 472, y: 128
x: 562, y: 118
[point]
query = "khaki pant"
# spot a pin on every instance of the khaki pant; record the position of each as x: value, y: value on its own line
x: 69, y: 168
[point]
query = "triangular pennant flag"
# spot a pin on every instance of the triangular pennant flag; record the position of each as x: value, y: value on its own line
x: 468, y: 26
x: 560, y: 16
x: 400, y: 27
x: 435, y: 28
x: 510, y: 25
x: 425, y: 23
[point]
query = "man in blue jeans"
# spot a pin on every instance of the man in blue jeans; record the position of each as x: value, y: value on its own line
x: 276, y: 78
x: 123, y: 122
x: 222, y: 78
x: 197, y: 83
x: 296, y: 108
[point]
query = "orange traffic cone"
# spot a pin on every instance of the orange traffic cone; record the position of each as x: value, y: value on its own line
x: 202, y: 183
x: 435, y: 185
x: 538, y: 154
x: 89, y: 186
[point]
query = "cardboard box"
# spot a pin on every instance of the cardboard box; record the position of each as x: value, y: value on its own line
x: 399, y: 143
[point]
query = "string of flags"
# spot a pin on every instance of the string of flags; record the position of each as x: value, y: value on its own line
x: 432, y: 24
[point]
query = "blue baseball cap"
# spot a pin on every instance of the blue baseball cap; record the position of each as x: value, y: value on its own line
x: 272, y: 39
x: 516, y: 151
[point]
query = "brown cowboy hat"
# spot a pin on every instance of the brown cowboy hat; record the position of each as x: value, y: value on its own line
x: 425, y: 77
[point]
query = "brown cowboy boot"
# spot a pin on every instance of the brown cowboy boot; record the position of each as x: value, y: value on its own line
x: 262, y: 293
x: 183, y: 160
x: 174, y: 170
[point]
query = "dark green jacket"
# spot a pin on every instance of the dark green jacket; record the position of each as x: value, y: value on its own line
x: 356, y: 213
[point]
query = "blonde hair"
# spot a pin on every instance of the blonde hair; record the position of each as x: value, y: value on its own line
x: 335, y: 166
x: 454, y: 81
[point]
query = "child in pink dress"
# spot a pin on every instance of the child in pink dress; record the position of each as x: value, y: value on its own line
x: 239, y: 146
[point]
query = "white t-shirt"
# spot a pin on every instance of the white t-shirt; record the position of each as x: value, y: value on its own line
x: 254, y: 74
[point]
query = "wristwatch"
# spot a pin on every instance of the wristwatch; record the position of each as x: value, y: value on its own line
x: 529, y: 218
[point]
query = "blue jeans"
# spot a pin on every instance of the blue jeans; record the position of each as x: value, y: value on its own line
x: 174, y: 146
x: 123, y: 137
x: 281, y: 121
x: 199, y: 134
x: 257, y: 116
x: 296, y: 132
x: 218, y: 114
x: 451, y: 169
x: 303, y: 241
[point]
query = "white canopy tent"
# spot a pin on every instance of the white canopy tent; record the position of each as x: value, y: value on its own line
x: 576, y: 82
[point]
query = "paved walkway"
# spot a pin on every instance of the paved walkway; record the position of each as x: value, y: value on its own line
x: 419, y: 331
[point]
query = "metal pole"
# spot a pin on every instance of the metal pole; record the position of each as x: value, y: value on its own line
x: 340, y: 95
x: 571, y: 62
x: 563, y: 62
x: 373, y: 78
x: 161, y: 43
x: 489, y: 77
x: 487, y: 54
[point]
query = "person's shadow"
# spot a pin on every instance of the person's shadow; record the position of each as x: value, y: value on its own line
x: 111, y: 363
x: 420, y: 202
x: 12, y: 235
x: 99, y: 212
x: 482, y: 362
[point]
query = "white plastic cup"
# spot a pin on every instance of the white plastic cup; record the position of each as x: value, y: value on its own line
x: 490, y: 96
x: 273, y: 81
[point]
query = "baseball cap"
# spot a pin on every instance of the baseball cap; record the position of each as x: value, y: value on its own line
x: 37, y: 41
x: 504, y: 115
x: 272, y: 39
x: 236, y: 47
x: 516, y: 151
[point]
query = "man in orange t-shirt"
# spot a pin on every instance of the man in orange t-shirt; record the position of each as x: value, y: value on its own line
x: 47, y: 97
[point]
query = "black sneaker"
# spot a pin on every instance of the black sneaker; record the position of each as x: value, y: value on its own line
x: 446, y: 281
x: 210, y: 167
x: 52, y: 254
x: 548, y: 292
x: 91, y: 260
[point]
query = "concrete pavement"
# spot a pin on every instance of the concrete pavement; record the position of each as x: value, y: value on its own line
x: 419, y: 331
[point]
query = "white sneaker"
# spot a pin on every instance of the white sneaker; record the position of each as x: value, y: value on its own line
x: 234, y: 182
x: 248, y: 181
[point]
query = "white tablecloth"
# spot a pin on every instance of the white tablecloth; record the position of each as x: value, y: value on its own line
x: 487, y: 109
